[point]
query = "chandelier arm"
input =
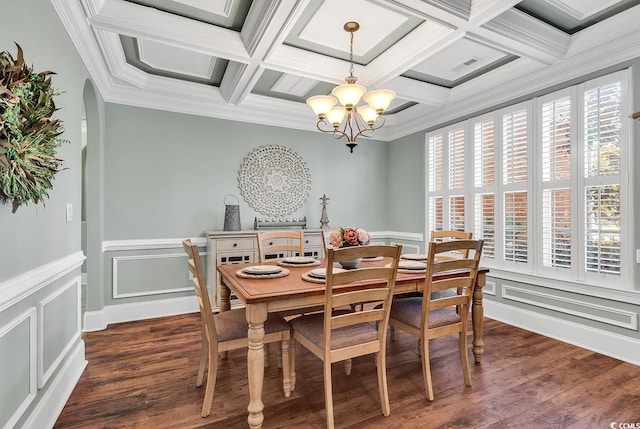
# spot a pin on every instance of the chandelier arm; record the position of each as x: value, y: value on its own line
x: 337, y: 134
x: 370, y: 129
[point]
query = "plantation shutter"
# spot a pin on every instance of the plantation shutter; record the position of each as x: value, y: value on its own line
x: 456, y: 158
x: 556, y: 182
x: 484, y: 178
x: 435, y: 154
x: 602, y: 203
x: 515, y: 175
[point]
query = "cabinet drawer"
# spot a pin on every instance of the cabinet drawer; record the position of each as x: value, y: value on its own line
x: 235, y: 244
x: 312, y: 240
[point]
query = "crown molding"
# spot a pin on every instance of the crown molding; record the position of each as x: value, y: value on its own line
x: 528, y: 36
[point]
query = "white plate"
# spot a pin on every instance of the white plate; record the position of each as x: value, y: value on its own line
x: 414, y: 256
x: 262, y: 269
x: 412, y: 265
x: 299, y: 260
x: 321, y: 273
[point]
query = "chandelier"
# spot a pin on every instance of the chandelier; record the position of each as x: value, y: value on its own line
x: 351, y: 120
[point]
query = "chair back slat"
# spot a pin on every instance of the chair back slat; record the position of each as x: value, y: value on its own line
x: 362, y: 316
x: 351, y: 276
x: 276, y: 244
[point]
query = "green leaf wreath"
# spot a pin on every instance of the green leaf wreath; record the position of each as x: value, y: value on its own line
x: 29, y: 136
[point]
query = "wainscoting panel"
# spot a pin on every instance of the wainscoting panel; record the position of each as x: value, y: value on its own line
x: 58, y: 328
x: 489, y: 288
x: 18, y: 360
x: 600, y: 313
x: 150, y: 274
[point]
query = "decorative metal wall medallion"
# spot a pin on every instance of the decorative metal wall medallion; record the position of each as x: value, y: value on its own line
x: 274, y: 180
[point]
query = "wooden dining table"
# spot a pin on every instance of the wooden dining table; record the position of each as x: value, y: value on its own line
x: 292, y: 292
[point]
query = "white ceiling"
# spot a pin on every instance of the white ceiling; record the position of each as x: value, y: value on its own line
x: 257, y: 61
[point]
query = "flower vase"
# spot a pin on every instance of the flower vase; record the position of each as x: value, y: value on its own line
x: 350, y: 264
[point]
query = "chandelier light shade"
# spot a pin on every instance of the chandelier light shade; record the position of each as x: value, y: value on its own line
x: 351, y: 120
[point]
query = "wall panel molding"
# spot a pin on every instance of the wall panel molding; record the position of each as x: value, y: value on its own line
x: 574, y: 307
x: 49, y: 407
x: 45, y: 373
x: 117, y: 260
x: 30, y: 317
x: 489, y: 289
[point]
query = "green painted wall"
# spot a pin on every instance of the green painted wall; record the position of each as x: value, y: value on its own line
x: 35, y: 235
x: 167, y: 174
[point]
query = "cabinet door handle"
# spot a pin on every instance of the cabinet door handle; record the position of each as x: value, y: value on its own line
x: 235, y: 244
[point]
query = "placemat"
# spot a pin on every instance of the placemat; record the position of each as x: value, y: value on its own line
x: 414, y: 256
x: 306, y: 277
x: 244, y: 275
x: 289, y: 264
x: 402, y: 270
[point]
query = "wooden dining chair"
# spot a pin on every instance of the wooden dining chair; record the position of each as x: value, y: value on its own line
x: 335, y: 335
x: 227, y: 331
x: 278, y: 244
x: 430, y: 316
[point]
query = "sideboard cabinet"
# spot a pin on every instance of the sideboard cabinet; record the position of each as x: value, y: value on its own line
x: 239, y: 247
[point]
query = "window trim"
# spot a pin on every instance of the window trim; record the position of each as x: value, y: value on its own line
x: 575, y: 277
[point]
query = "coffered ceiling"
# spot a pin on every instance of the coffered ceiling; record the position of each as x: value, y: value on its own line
x: 257, y: 61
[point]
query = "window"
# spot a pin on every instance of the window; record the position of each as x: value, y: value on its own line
x: 542, y: 183
x: 446, y: 155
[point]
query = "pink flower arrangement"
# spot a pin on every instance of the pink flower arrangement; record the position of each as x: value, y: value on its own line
x: 345, y: 237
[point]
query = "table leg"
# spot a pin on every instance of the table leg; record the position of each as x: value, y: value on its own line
x: 477, y: 315
x: 256, y: 316
x: 225, y: 293
x: 225, y: 304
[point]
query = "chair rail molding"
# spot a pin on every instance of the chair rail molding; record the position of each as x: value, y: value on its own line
x: 17, y: 288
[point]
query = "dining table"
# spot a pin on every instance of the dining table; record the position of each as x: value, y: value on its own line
x: 297, y: 291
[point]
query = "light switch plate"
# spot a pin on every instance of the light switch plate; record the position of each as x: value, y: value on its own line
x: 69, y: 212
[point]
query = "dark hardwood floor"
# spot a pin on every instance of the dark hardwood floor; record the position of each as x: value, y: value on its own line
x: 142, y: 375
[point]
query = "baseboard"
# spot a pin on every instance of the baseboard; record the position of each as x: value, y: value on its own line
x: 603, y: 342
x: 118, y: 313
x: 54, y: 399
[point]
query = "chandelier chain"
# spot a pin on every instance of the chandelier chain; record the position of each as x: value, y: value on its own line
x: 351, y: 54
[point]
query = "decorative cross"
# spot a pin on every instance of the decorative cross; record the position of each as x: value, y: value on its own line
x: 324, y: 219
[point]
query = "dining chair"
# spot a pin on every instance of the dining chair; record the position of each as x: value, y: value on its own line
x: 430, y: 316
x: 278, y: 244
x: 227, y: 331
x: 335, y: 335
